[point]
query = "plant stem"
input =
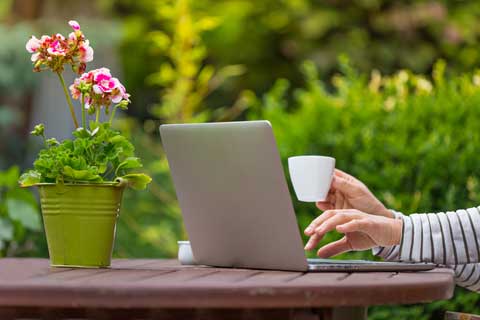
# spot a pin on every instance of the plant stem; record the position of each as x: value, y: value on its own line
x: 112, y: 115
x: 45, y: 141
x: 97, y: 116
x: 69, y: 100
x: 84, y: 121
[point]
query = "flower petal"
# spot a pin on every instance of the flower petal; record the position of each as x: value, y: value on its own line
x: 35, y: 57
x: 33, y: 44
x: 97, y: 89
x: 74, y: 24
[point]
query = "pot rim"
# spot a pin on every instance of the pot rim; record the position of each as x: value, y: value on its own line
x: 82, y: 184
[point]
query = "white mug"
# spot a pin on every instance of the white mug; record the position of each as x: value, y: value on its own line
x: 185, y: 254
x: 311, y: 176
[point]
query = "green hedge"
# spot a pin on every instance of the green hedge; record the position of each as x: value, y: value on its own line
x: 415, y: 142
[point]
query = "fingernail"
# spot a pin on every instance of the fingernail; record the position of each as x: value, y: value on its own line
x: 308, y: 246
x: 308, y: 230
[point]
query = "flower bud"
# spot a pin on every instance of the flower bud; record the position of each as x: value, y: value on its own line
x: 74, y: 24
x: 123, y: 104
x: 38, y: 130
x: 52, y: 142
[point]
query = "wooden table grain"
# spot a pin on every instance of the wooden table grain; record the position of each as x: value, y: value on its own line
x: 163, y: 289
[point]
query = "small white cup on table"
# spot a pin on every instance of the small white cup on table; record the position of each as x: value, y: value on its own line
x: 185, y: 254
x: 311, y: 176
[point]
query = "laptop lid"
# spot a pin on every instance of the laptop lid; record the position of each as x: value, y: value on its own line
x: 233, y: 195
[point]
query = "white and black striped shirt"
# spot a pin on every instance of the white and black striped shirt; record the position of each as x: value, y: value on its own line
x: 450, y: 239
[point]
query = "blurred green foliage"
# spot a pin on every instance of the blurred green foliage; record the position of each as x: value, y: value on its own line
x: 412, y: 140
x: 5, y: 6
x: 16, y: 79
x: 15, y: 69
x: 19, y: 217
x: 169, y: 37
x: 185, y: 78
x: 270, y: 39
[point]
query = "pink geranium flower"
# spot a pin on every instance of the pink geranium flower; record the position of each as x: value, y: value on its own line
x: 54, y: 52
x: 57, y: 46
x: 99, y: 90
x: 104, y: 83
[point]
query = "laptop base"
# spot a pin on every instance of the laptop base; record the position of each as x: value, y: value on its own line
x: 331, y: 265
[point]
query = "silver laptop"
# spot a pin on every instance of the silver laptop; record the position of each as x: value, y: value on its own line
x: 235, y: 201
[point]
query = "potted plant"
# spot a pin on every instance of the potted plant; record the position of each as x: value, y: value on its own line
x: 81, y: 181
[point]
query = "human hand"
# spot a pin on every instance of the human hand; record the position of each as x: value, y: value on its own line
x: 362, y: 231
x: 347, y: 192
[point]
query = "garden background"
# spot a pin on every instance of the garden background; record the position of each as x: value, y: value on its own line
x: 391, y: 89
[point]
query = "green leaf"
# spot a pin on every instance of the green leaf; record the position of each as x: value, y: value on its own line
x: 102, y: 167
x: 129, y: 163
x: 30, y: 178
x: 81, y: 175
x: 23, y: 212
x: 137, y: 181
x: 81, y: 133
x: 9, y: 178
x: 118, y: 139
x: 121, y: 146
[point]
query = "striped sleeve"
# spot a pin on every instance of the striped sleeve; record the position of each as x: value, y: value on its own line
x: 444, y: 238
x: 468, y: 276
x: 449, y: 239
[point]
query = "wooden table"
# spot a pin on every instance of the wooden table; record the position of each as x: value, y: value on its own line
x: 162, y: 289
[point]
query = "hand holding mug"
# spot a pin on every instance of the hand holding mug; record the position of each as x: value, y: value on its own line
x: 347, y: 192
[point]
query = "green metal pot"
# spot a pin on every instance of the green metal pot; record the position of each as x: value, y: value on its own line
x: 80, y: 222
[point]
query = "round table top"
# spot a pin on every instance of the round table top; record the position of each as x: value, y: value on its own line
x: 141, y: 283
